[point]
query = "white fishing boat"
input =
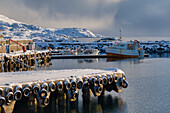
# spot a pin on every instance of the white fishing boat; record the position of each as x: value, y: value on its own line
x: 125, y: 50
x: 89, y: 52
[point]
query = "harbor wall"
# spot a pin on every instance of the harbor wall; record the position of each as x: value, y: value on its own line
x: 28, y: 44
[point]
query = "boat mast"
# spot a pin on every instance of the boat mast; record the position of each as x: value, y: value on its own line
x: 120, y: 35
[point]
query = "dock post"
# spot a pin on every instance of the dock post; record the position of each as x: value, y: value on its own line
x: 86, y: 95
x: 87, y: 100
x: 62, y: 103
x: 53, y: 105
x: 35, y: 57
x: 2, y: 63
x: 8, y: 108
x: 62, y: 99
x: 32, y: 103
x: 105, y: 81
x: 73, y: 107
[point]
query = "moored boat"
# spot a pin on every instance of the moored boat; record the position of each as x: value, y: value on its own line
x: 125, y: 50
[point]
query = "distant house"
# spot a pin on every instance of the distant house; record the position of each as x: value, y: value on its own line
x: 1, y: 36
x: 5, y: 43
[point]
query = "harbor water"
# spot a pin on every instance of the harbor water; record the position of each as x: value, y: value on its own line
x: 148, y: 90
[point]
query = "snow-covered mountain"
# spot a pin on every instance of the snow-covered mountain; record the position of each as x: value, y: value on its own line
x: 19, y: 30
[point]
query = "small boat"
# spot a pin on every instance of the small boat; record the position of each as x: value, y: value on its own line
x: 125, y: 50
x: 68, y: 52
x: 56, y: 52
x: 90, y: 52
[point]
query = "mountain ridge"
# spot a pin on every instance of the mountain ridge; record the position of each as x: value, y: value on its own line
x: 19, y: 30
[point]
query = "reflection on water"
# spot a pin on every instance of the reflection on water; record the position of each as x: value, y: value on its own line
x: 114, y: 59
x: 112, y: 104
x: 100, y: 105
x: 97, y: 63
x: 131, y: 61
x: 87, y: 60
x: 137, y: 60
x: 159, y: 55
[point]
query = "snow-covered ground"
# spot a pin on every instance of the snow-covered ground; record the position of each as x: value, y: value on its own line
x: 19, y: 30
x: 40, y: 76
x: 28, y: 52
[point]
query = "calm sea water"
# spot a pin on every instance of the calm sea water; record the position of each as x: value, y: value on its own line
x: 148, y: 90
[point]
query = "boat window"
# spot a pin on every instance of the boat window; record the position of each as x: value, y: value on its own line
x: 122, y: 45
x: 130, y: 46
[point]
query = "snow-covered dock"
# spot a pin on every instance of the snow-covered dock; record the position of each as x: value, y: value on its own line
x: 40, y: 76
x: 61, y: 85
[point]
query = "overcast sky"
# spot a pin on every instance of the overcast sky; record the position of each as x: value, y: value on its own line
x: 134, y: 17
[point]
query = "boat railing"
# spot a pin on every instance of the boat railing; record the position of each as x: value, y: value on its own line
x: 118, y: 47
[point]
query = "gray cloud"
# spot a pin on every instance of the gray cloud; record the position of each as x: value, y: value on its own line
x: 134, y: 17
x: 144, y: 18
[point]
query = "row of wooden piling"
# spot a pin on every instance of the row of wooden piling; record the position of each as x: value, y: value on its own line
x: 64, y: 90
x: 23, y: 62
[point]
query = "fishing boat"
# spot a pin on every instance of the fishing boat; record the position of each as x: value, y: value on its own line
x: 125, y: 50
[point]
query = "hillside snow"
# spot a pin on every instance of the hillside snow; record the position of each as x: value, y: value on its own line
x: 19, y: 30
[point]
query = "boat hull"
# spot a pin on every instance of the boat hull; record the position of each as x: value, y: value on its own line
x: 121, y: 55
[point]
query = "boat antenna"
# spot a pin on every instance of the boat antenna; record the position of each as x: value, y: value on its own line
x: 120, y: 34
